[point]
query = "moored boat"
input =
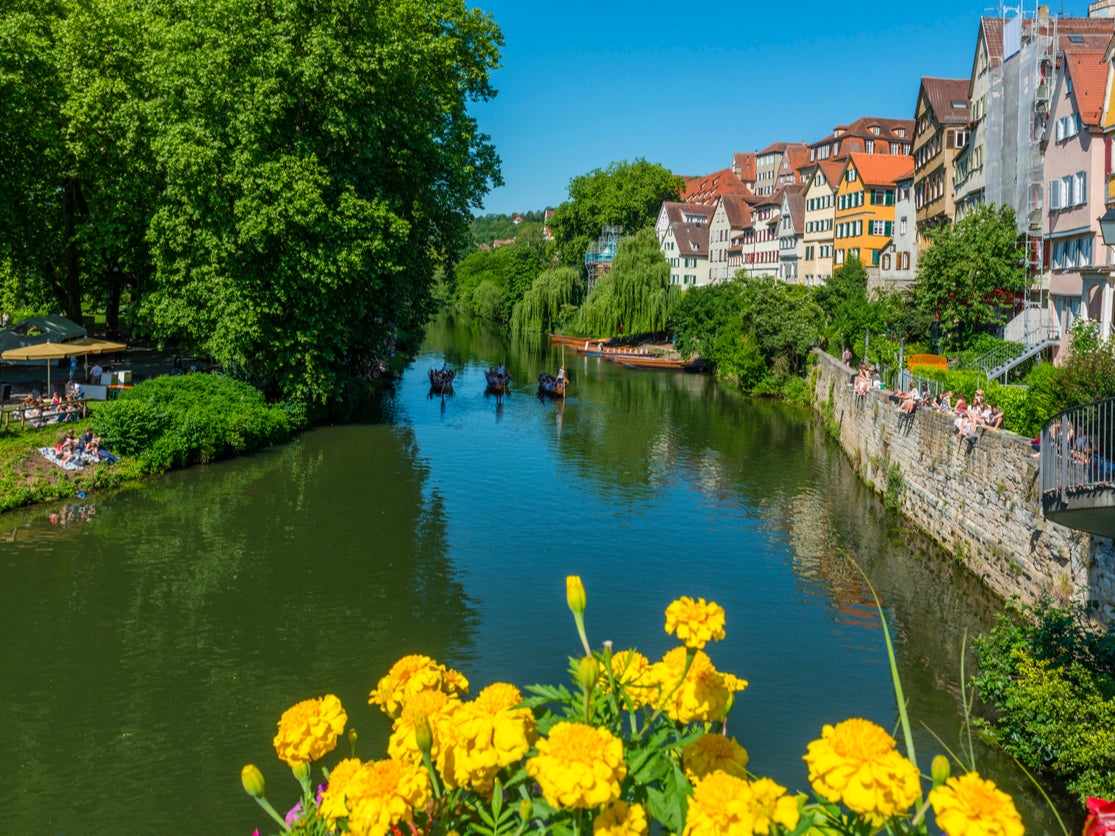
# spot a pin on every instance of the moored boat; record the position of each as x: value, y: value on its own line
x: 441, y: 380
x: 499, y: 380
x: 553, y: 386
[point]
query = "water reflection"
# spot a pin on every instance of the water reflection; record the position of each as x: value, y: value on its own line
x: 160, y: 640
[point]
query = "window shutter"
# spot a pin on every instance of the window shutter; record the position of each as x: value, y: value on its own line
x: 889, y: 227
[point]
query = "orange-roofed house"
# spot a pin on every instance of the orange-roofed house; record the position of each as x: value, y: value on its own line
x: 940, y: 133
x: 865, y: 198
x: 708, y: 189
x: 866, y: 135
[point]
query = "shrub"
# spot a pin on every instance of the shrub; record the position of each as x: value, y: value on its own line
x: 1051, y: 682
x: 170, y: 422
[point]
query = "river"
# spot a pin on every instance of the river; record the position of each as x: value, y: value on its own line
x: 155, y: 634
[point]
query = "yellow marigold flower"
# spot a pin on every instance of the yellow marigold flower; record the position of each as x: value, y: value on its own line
x: 435, y: 707
x: 484, y: 736
x: 621, y: 819
x: 695, y: 623
x: 578, y: 766
x: 703, y: 696
x: 856, y: 763
x: 629, y: 668
x: 714, y: 752
x: 969, y: 805
x: 411, y: 675
x: 309, y: 730
x: 383, y: 793
x: 333, y: 805
x: 724, y: 805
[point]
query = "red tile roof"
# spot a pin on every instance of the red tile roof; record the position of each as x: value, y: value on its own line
x: 832, y: 169
x: 737, y: 210
x: 705, y: 190
x: 861, y: 128
x: 743, y: 163
x: 882, y: 169
x: 1088, y: 72
x: 944, y: 94
x: 677, y: 212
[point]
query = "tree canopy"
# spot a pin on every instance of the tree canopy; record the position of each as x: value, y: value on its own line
x: 627, y: 195
x: 971, y: 272
x: 281, y: 205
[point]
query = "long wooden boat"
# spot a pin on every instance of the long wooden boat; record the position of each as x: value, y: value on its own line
x: 499, y: 382
x: 552, y: 386
x: 652, y: 362
x: 441, y: 380
x: 572, y: 342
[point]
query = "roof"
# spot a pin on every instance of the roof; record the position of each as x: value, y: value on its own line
x: 40, y: 329
x: 773, y: 148
x: 798, y: 155
x: 1088, y: 72
x: 705, y: 190
x: 948, y: 99
x: 992, y: 28
x: 692, y: 239
x: 832, y: 171
x: 743, y: 164
x: 882, y: 169
x: 888, y: 130
x: 677, y: 212
x: 737, y: 210
x: 795, y: 203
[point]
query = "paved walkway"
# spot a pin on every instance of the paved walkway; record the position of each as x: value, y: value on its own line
x: 142, y: 361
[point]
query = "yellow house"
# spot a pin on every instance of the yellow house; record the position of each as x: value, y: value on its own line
x: 864, y: 219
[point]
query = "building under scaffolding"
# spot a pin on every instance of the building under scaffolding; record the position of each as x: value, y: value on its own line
x: 598, y: 260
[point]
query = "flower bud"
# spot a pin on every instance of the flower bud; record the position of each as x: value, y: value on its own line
x: 525, y: 809
x: 575, y: 594
x: 940, y: 770
x: 252, y: 779
x: 423, y: 734
x: 301, y: 771
x: 587, y: 673
x: 352, y: 736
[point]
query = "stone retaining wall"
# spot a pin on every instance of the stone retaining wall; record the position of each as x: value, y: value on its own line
x: 980, y: 500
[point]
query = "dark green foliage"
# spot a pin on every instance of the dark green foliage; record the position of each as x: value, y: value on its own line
x: 170, y: 422
x: 843, y: 298
x: 1089, y: 372
x: 488, y: 228
x: 1051, y: 683
x: 627, y: 195
x: 551, y: 298
x: 971, y: 272
x: 490, y: 283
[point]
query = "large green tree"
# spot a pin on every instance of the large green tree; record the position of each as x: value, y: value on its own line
x: 971, y: 272
x: 320, y: 163
x: 626, y: 195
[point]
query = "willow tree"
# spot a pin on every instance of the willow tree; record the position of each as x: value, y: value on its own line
x: 636, y: 297
x: 552, y: 295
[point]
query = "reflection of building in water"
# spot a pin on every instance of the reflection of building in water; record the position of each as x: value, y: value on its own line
x: 820, y: 556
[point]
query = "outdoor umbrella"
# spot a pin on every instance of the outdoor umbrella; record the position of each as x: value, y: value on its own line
x: 55, y: 351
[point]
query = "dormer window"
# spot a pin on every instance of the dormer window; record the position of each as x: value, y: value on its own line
x: 875, y: 130
x: 900, y: 132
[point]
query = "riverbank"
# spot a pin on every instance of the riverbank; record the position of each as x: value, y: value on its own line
x: 980, y: 501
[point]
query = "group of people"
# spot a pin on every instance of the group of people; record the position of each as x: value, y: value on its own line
x: 83, y: 449
x: 969, y: 418
x: 39, y: 412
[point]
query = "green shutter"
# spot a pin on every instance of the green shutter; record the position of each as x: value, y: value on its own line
x: 889, y: 228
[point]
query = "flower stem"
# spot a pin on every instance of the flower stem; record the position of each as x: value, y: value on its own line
x: 266, y: 805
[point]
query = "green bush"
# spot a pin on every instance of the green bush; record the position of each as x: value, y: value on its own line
x: 1051, y: 683
x: 175, y: 421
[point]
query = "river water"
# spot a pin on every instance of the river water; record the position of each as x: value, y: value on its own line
x: 155, y: 634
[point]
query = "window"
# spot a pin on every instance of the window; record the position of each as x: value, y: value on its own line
x: 851, y: 175
x: 869, y: 146
x: 894, y: 147
x: 886, y: 261
x: 690, y: 262
x: 875, y: 130
x: 1081, y: 186
x: 839, y: 256
x: 1054, y: 194
x: 902, y: 224
x: 904, y: 258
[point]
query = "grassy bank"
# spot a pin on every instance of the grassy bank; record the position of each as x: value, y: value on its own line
x: 159, y: 425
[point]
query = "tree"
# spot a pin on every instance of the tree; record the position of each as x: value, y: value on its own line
x: 971, y: 272
x: 843, y: 298
x: 507, y: 272
x: 635, y: 297
x: 320, y: 163
x: 627, y: 195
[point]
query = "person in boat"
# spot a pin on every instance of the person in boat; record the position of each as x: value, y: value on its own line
x: 500, y: 371
x: 561, y: 373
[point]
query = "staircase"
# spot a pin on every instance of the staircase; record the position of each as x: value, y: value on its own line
x: 1031, y: 332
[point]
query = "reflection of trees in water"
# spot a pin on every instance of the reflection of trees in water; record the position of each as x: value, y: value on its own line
x: 177, y: 625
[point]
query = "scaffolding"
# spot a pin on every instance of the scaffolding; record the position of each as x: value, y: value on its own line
x: 598, y: 260
x: 1020, y: 92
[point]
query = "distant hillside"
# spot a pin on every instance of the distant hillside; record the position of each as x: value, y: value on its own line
x: 489, y: 228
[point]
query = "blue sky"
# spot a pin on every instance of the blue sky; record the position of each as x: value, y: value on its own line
x: 584, y: 84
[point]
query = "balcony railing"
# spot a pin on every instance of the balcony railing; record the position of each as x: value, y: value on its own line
x: 1078, y: 467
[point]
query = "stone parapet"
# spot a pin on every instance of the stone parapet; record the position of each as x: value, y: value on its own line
x: 980, y: 500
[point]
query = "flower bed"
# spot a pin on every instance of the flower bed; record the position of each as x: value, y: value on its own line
x: 632, y: 745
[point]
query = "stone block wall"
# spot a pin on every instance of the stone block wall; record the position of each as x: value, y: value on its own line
x: 979, y: 500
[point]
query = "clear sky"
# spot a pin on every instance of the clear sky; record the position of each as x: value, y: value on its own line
x: 686, y: 84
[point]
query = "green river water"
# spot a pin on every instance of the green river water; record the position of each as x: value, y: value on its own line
x: 154, y: 635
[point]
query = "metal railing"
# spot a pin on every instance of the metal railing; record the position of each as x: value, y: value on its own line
x: 1077, y: 450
